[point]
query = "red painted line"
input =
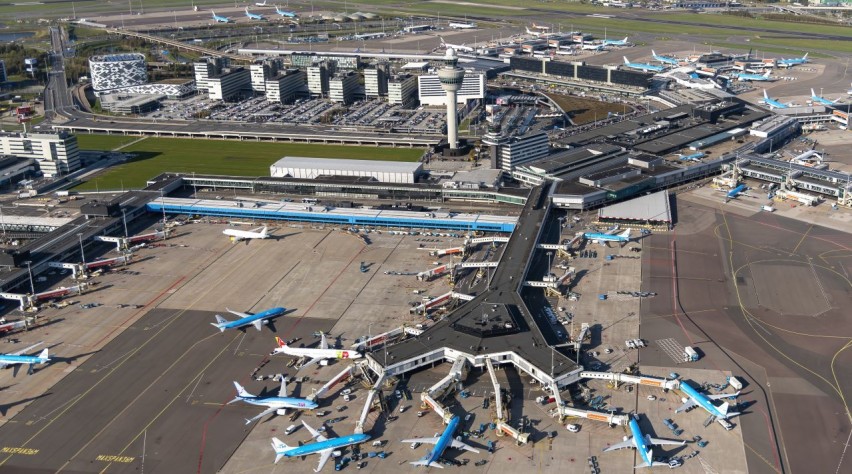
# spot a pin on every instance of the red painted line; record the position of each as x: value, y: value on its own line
x: 772, y: 439
x: 675, y: 310
x: 144, y: 308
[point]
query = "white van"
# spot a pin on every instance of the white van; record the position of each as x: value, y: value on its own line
x: 290, y: 429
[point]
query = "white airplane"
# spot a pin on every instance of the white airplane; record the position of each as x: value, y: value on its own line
x: 641, y: 443
x: 253, y: 16
x: 220, y: 19
x: 462, y: 26
x: 457, y: 47
x: 277, y: 404
x: 316, y: 354
x: 538, y: 34
x: 261, y: 4
x: 238, y: 235
x: 17, y: 359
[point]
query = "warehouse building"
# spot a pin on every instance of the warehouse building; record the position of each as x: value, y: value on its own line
x: 313, y: 168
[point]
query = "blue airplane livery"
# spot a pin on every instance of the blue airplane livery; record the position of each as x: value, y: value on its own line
x: 642, y: 66
x: 621, y: 42
x: 746, y: 76
x: 285, y: 13
x: 822, y: 100
x: 599, y: 238
x: 277, y: 404
x: 642, y: 442
x: 772, y: 103
x: 793, y: 61
x: 220, y: 19
x: 697, y: 398
x: 692, y: 157
x: 16, y: 359
x: 736, y: 191
x: 665, y: 59
x: 256, y: 320
x: 441, y: 443
x: 253, y: 16
x: 324, y: 446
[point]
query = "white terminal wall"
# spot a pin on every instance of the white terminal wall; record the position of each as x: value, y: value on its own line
x: 311, y: 168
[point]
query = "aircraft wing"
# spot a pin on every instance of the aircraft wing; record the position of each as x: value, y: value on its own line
x: 324, y: 457
x: 237, y: 313
x: 460, y: 445
x: 315, y: 434
x: 323, y: 342
x: 628, y: 443
x: 658, y: 441
x: 27, y: 349
x: 723, y: 395
x: 262, y: 414
x: 422, y: 440
x: 282, y: 392
x: 311, y: 362
x: 686, y: 406
x: 258, y: 324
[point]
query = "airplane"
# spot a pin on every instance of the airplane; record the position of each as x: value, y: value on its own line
x: 257, y: 320
x: 793, y: 61
x: 822, y: 100
x: 692, y: 157
x: 17, y: 359
x: 538, y: 34
x: 285, y: 13
x: 644, y: 67
x: 641, y: 443
x: 238, y: 235
x: 732, y: 194
x: 598, y: 238
x: 704, y: 401
x: 274, y: 404
x: 665, y: 59
x: 324, y: 446
x: 772, y: 103
x: 253, y: 16
x: 745, y: 76
x: 621, y: 42
x: 261, y: 4
x: 441, y: 443
x: 539, y: 27
x: 220, y: 19
x: 593, y: 47
x: 457, y: 47
x: 462, y: 26
x: 316, y: 355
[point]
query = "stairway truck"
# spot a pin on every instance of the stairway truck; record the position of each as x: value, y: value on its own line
x: 689, y: 354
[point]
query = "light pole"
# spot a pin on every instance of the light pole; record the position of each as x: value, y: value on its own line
x: 30, y: 272
x: 82, y: 252
x: 124, y: 218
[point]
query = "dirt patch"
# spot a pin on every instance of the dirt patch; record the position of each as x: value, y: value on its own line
x: 583, y: 110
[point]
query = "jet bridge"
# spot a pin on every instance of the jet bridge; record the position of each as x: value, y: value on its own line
x: 430, y: 396
x: 616, y: 377
x: 344, y: 375
x: 123, y: 243
x: 610, y: 418
x: 368, y: 404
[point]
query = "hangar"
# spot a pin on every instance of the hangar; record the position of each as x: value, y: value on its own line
x: 312, y: 168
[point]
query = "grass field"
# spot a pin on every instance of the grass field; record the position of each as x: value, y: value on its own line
x: 583, y: 110
x: 103, y: 142
x: 158, y: 155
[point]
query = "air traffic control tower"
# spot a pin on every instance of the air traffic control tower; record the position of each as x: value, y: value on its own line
x: 451, y: 77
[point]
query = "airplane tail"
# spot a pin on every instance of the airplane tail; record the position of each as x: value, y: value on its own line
x: 220, y: 323
x: 654, y: 53
x: 724, y: 408
x: 43, y: 356
x: 264, y: 232
x: 624, y: 40
x: 626, y: 61
x: 281, y: 343
x: 813, y: 94
x: 280, y: 448
x: 805, y: 56
x: 626, y: 233
x: 444, y: 43
x: 765, y: 95
x: 242, y: 391
x: 767, y: 73
x: 426, y: 463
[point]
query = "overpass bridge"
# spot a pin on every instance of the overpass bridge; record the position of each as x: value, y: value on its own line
x: 179, y: 44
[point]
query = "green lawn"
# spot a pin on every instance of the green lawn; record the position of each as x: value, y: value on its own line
x: 103, y: 142
x: 158, y: 155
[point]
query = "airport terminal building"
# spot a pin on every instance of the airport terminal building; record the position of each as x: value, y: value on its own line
x: 312, y: 168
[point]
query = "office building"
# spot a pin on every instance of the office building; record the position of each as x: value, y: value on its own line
x: 116, y: 71
x: 318, y: 78
x: 430, y: 91
x: 376, y: 80
x: 283, y: 87
x: 57, y: 153
x: 206, y: 68
x: 342, y: 87
x: 507, y: 152
x: 231, y: 84
x: 263, y: 71
x: 402, y: 89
